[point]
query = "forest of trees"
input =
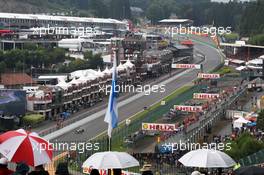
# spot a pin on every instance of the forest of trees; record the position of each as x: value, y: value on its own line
x: 245, y: 18
x: 23, y: 60
x: 51, y: 60
x: 90, y: 61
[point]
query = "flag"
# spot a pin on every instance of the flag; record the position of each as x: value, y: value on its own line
x: 111, y: 116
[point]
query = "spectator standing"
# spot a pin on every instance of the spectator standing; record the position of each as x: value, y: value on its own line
x: 62, y: 169
x: 21, y: 169
x: 39, y: 170
x: 3, y: 167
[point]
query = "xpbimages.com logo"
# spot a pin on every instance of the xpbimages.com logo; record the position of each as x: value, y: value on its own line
x: 128, y: 88
x: 74, y: 31
x: 186, y: 30
x: 79, y: 147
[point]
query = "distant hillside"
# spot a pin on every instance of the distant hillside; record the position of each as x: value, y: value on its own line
x: 94, y: 8
x: 43, y: 6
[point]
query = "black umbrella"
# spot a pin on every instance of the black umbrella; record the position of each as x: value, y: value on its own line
x: 252, y: 170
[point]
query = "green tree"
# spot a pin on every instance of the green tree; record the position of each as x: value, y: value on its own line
x: 19, y: 66
x: 98, y: 8
x: 120, y: 9
x: 155, y: 13
x: 252, y: 21
x: 88, y: 55
x: 57, y: 55
x: 257, y: 39
x: 244, y: 145
x: 96, y: 61
x: 2, y: 67
x: 260, y: 121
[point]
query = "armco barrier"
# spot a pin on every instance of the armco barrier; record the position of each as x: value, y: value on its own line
x: 254, y: 159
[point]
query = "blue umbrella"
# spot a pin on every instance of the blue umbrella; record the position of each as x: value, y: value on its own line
x: 252, y: 124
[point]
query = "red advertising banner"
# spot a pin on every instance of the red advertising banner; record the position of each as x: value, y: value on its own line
x: 186, y: 66
x: 205, y: 96
x: 208, y: 76
x: 158, y: 127
x: 188, y: 108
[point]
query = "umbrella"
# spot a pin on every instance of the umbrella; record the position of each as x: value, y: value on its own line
x: 252, y: 124
x: 206, y: 158
x: 110, y: 160
x: 27, y: 147
x: 252, y: 170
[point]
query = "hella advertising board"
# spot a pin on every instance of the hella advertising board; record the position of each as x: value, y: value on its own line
x: 186, y: 66
x: 13, y: 102
x: 158, y: 127
x: 205, y: 96
x: 188, y: 108
x: 208, y: 76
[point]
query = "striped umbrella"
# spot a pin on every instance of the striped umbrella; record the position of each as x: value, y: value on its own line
x: 27, y: 147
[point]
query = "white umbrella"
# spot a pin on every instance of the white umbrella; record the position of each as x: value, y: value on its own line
x: 206, y: 158
x: 110, y: 160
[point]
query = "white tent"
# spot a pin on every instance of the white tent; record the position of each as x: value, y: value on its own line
x: 238, y: 123
x: 100, y: 73
x: 107, y: 71
x: 128, y: 64
x: 63, y: 85
x: 121, y: 67
x: 75, y: 81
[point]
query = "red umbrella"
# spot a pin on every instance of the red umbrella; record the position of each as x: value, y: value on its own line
x: 27, y: 147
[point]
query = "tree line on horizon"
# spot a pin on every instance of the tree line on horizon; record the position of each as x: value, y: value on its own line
x: 245, y: 18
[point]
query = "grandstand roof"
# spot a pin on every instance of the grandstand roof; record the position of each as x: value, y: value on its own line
x: 59, y: 18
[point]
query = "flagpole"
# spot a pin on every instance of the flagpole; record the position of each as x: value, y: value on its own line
x: 112, y: 108
x: 109, y: 143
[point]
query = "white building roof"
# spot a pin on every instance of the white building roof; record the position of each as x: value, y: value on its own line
x: 237, y: 61
x: 257, y: 61
x: 61, y: 77
x: 262, y: 57
x: 239, y: 45
x: 59, y: 18
x: 241, y: 68
x: 174, y: 20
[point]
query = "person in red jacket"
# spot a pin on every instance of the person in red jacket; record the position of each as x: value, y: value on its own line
x: 3, y: 167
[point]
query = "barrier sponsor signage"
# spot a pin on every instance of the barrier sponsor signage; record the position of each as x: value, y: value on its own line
x: 158, y: 127
x: 208, y: 76
x: 186, y: 66
x: 188, y: 108
x: 87, y: 170
x: 205, y: 96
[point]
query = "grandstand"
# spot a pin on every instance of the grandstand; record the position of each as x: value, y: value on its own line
x: 26, y: 21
